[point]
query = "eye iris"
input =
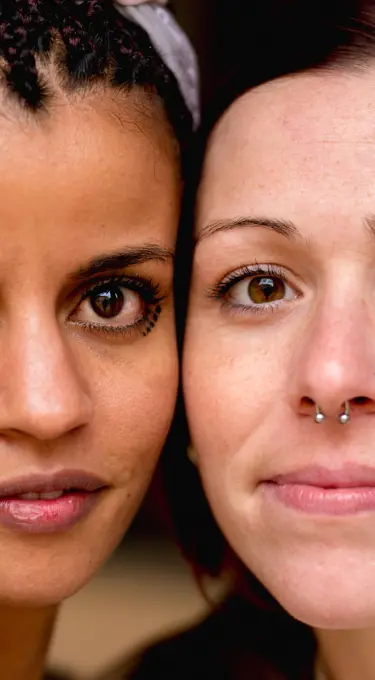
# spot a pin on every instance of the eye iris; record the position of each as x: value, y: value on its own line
x: 107, y: 302
x: 266, y: 289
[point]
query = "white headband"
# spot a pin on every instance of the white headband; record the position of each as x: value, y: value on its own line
x: 171, y: 43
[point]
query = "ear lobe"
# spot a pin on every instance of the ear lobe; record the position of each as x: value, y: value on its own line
x: 192, y: 455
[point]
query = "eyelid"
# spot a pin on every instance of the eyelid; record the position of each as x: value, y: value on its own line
x: 134, y: 282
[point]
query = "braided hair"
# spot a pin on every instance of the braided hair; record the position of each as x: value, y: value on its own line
x: 89, y: 42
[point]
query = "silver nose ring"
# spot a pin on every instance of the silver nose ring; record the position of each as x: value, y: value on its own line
x: 343, y: 417
x: 319, y: 415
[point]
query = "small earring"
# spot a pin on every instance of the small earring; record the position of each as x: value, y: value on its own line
x: 345, y: 417
x: 319, y: 415
x: 192, y: 455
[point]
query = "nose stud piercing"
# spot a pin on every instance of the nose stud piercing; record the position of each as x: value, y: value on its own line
x: 343, y: 418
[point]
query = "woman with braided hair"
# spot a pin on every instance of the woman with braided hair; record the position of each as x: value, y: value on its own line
x: 96, y: 113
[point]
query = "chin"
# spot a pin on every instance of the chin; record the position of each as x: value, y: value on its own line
x: 334, y: 613
x: 321, y: 570
x: 34, y: 585
x: 40, y: 572
x: 40, y: 585
x: 36, y: 595
x: 327, y: 594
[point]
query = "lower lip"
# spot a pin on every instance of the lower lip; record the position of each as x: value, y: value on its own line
x: 46, y: 516
x: 316, y: 500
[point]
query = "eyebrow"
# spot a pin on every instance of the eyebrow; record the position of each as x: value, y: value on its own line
x: 126, y: 258
x: 285, y: 228
x: 282, y: 227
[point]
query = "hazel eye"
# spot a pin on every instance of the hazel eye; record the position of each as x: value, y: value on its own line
x: 260, y: 291
x: 264, y: 289
x: 111, y: 302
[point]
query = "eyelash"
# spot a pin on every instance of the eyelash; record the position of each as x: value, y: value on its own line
x: 149, y: 293
x: 220, y: 290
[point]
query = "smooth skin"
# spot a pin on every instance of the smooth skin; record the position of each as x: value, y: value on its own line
x: 96, y: 176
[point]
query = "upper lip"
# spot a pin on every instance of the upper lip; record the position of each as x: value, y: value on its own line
x: 349, y: 476
x: 63, y: 480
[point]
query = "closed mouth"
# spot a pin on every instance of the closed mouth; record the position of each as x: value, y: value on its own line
x: 51, y: 487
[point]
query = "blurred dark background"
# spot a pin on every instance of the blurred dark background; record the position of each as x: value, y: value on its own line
x: 215, y: 27
x: 247, y: 32
x: 224, y: 32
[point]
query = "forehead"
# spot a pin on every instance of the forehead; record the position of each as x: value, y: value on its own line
x: 303, y: 140
x: 81, y: 171
x: 126, y: 129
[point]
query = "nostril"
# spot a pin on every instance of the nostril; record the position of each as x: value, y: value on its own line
x: 362, y: 405
x: 306, y: 402
x: 307, y: 407
x: 361, y: 401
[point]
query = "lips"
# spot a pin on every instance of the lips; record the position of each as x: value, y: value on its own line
x: 348, y: 477
x: 60, y: 482
x: 49, y: 504
x: 321, y: 491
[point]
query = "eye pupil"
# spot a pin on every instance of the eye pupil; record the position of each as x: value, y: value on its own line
x: 107, y: 302
x: 266, y: 289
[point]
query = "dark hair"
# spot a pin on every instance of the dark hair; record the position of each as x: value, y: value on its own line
x: 89, y: 43
x: 277, y: 38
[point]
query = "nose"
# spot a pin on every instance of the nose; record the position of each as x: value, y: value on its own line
x: 335, y: 365
x: 42, y: 391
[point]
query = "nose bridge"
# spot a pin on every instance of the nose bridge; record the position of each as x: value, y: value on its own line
x: 43, y: 391
x: 337, y: 357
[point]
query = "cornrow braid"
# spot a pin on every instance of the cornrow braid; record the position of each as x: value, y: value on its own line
x: 18, y: 31
x: 98, y: 44
x: 85, y: 30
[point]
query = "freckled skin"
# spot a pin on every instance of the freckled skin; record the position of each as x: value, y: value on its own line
x: 293, y: 150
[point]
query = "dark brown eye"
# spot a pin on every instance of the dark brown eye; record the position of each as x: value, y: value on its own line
x: 263, y: 289
x: 111, y: 304
x: 107, y: 302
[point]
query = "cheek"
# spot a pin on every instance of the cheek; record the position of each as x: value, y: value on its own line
x: 134, y: 405
x: 233, y: 379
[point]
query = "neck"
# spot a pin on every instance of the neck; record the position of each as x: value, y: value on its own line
x: 347, y: 654
x: 24, y: 637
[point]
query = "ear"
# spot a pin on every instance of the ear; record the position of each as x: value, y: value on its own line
x: 192, y: 455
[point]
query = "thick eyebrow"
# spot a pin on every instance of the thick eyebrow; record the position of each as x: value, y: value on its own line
x: 283, y: 227
x: 126, y: 258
